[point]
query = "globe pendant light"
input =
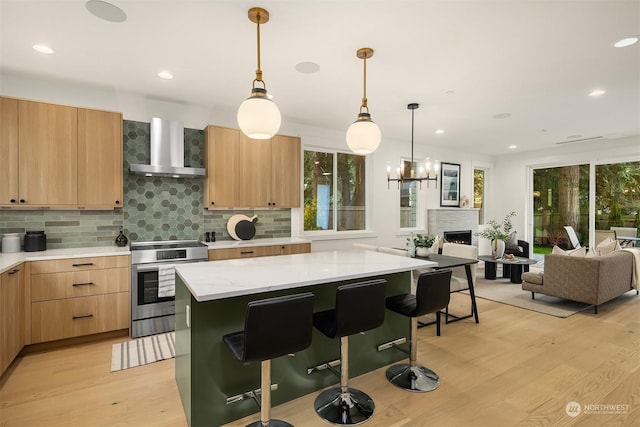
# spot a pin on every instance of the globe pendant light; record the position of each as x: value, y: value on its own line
x: 258, y: 116
x: 363, y: 136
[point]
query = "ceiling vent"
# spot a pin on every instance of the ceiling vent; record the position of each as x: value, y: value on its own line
x: 579, y: 140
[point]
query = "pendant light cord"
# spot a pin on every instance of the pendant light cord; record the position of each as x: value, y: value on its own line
x: 412, y: 116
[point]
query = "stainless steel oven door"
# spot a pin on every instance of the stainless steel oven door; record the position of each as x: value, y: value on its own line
x: 152, y: 290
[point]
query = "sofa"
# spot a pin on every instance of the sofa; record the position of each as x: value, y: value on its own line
x: 591, y: 280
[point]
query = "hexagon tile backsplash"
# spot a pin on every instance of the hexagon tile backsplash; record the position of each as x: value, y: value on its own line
x: 155, y: 208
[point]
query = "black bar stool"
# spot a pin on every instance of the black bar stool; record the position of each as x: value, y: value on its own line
x: 273, y: 327
x: 359, y: 307
x: 432, y: 295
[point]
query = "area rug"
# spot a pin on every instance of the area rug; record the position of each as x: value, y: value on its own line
x: 505, y: 292
x: 142, y: 351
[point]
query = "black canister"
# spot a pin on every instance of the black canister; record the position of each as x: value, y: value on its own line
x: 35, y: 241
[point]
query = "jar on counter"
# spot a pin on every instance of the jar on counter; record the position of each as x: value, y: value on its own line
x: 11, y: 242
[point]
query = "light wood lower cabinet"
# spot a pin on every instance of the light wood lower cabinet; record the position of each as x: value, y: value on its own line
x: 11, y: 315
x: 79, y: 296
x: 258, y: 251
x: 74, y: 317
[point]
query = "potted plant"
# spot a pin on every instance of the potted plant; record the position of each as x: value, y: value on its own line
x: 422, y: 243
x: 498, y: 234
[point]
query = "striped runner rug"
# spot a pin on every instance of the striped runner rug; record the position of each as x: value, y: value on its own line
x: 142, y: 351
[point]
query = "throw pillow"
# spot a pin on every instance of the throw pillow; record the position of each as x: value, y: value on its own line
x: 435, y: 246
x: 607, y: 248
x: 580, y: 252
x: 512, y: 243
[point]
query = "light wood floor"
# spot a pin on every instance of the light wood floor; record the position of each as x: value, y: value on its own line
x: 515, y: 368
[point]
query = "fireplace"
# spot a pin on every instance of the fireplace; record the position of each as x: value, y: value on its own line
x: 462, y: 237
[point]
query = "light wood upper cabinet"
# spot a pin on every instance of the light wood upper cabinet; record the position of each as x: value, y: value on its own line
x: 285, y: 171
x: 99, y: 158
x: 9, y: 151
x: 250, y: 173
x: 12, y: 326
x: 254, y: 189
x: 48, y: 152
x: 222, y: 154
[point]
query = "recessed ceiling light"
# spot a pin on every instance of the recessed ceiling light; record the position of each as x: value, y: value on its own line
x: 307, y: 67
x: 597, y: 92
x: 629, y: 41
x: 165, y: 75
x: 512, y: 147
x: 439, y: 131
x: 449, y: 92
x: 502, y: 115
x: 40, y: 48
x: 106, y: 11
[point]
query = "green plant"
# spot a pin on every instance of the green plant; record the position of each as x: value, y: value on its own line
x: 497, y: 231
x: 424, y: 240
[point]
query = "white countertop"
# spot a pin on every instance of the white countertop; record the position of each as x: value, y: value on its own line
x: 226, y: 244
x: 10, y: 260
x: 224, y: 279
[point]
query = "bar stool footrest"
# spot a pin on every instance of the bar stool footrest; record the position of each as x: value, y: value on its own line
x: 413, y: 378
x: 351, y: 408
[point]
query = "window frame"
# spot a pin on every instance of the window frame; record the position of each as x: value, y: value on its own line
x: 335, y: 233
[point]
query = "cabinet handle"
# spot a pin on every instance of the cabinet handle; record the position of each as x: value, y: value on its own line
x: 84, y: 316
x: 273, y: 203
x: 84, y: 264
x: 23, y: 201
x: 245, y: 252
x: 14, y: 271
x: 12, y: 200
x: 213, y: 203
x: 82, y: 284
x: 117, y: 202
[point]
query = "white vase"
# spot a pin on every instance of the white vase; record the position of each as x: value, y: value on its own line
x: 497, y: 248
x: 422, y: 251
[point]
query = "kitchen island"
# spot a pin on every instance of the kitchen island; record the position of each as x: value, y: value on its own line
x: 211, y: 300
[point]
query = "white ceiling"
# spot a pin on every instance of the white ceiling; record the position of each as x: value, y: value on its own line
x: 463, y: 61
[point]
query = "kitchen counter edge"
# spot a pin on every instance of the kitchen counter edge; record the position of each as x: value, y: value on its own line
x: 11, y: 260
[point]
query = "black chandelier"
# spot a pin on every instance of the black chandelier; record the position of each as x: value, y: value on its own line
x: 424, y: 173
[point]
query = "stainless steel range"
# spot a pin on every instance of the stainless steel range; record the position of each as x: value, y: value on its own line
x: 153, y: 282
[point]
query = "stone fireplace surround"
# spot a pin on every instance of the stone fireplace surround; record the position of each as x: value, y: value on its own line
x: 453, y: 219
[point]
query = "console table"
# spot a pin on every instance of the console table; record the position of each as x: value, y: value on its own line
x: 516, y: 263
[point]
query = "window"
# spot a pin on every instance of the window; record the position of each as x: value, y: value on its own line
x: 617, y: 195
x: 560, y: 197
x: 479, y: 178
x: 334, y: 191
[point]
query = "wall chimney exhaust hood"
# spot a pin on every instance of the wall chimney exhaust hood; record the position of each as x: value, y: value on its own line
x: 167, y: 152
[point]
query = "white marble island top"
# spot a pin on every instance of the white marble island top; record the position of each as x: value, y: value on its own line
x: 224, y: 279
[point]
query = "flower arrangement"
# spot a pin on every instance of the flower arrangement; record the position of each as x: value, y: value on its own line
x: 497, y: 231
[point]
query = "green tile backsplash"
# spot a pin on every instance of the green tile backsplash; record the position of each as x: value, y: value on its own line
x: 155, y: 208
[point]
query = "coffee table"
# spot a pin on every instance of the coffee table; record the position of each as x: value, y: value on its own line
x: 515, y: 264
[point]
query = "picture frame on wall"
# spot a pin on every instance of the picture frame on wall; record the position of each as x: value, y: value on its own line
x: 449, y: 185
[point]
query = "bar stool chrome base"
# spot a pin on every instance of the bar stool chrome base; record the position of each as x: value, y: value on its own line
x: 413, y: 378
x: 351, y: 408
x: 272, y: 423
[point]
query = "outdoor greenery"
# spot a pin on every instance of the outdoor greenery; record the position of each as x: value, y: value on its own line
x: 562, y: 194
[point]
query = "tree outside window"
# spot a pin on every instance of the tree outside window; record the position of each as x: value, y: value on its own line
x: 334, y: 191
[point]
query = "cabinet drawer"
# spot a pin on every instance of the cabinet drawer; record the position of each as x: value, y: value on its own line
x: 245, y: 252
x: 296, y: 248
x: 73, y: 317
x: 78, y: 284
x: 79, y: 264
